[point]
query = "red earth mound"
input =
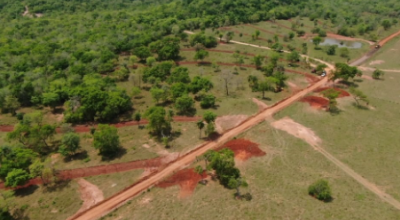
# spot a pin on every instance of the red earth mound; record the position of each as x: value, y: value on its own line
x: 316, y: 102
x: 187, y: 180
x: 243, y: 149
x: 342, y: 94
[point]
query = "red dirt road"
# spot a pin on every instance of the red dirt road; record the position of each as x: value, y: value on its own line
x: 316, y: 102
x: 103, y: 169
x: 120, y: 198
x: 86, y: 128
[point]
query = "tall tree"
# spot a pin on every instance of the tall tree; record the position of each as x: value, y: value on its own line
x: 200, y: 126
x: 158, y: 123
x: 332, y: 95
x: 200, y: 55
x: 106, y: 140
x: 258, y: 60
x: 69, y: 144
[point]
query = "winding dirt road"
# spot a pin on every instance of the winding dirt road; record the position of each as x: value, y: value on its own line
x: 120, y: 198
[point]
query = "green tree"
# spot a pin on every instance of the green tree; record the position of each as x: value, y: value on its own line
x: 229, y: 35
x: 265, y: 85
x: 209, y: 116
x: 150, y: 61
x: 358, y: 96
x: 293, y: 57
x: 207, y: 101
x: 142, y: 52
x: 138, y: 117
x: 200, y: 125
x: 157, y: 94
x: 36, y: 169
x: 51, y: 99
x: 32, y: 133
x: 386, y: 24
x: 179, y: 74
x: 257, y: 34
x: 344, y: 52
x: 106, y: 140
x: 158, y: 123
x: 332, y: 95
x: 17, y: 177
x: 258, y: 60
x: 316, y: 41
x: 69, y: 144
x: 199, y: 83
x: 10, y: 104
x: 331, y: 50
x: 200, y: 55
x: 320, y: 190
x: 345, y: 72
x: 377, y: 74
x: 184, y: 104
x: 224, y: 165
x: 279, y: 79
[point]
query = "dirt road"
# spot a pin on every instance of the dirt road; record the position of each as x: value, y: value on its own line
x: 120, y: 198
x: 384, y: 196
x: 108, y: 205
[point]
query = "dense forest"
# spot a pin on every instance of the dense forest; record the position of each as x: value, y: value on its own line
x: 55, y: 50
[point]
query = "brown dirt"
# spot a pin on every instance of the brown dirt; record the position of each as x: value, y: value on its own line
x: 243, y: 149
x: 261, y: 105
x: 343, y: 93
x: 376, y: 62
x: 86, y: 128
x: 187, y: 179
x: 316, y: 102
x: 90, y: 195
x: 367, y: 77
x: 150, y: 164
x: 297, y: 130
x: 227, y: 122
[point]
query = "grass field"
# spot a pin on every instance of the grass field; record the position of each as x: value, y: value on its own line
x: 387, y: 57
x: 278, y: 183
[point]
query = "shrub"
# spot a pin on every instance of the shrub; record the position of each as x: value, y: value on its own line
x: 207, y: 101
x: 320, y: 190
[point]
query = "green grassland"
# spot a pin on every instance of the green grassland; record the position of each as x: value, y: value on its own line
x: 389, y: 54
x: 278, y: 183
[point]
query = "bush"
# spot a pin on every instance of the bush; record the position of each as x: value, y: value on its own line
x: 320, y: 190
x: 207, y: 101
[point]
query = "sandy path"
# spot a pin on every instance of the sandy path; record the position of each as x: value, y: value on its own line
x: 90, y: 195
x: 373, y: 69
x: 299, y: 131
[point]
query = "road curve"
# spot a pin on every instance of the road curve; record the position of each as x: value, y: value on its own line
x: 108, y: 205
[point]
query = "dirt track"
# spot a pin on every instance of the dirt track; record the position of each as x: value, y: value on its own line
x: 86, y: 128
x: 120, y: 198
x: 113, y: 202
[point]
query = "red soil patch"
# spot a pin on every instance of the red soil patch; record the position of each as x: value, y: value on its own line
x: 243, y: 149
x: 187, y: 180
x: 103, y: 169
x: 316, y: 102
x: 342, y: 94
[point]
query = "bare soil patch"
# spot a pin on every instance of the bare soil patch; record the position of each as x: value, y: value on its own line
x: 227, y: 122
x: 187, y: 179
x: 316, y: 102
x: 376, y: 62
x: 243, y: 149
x: 297, y: 130
x: 343, y: 93
x: 261, y: 105
x: 90, y: 195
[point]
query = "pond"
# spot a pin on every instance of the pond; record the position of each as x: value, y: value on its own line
x: 349, y: 44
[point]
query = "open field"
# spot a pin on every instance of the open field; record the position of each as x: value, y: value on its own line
x: 387, y: 57
x: 275, y: 195
x: 371, y: 143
